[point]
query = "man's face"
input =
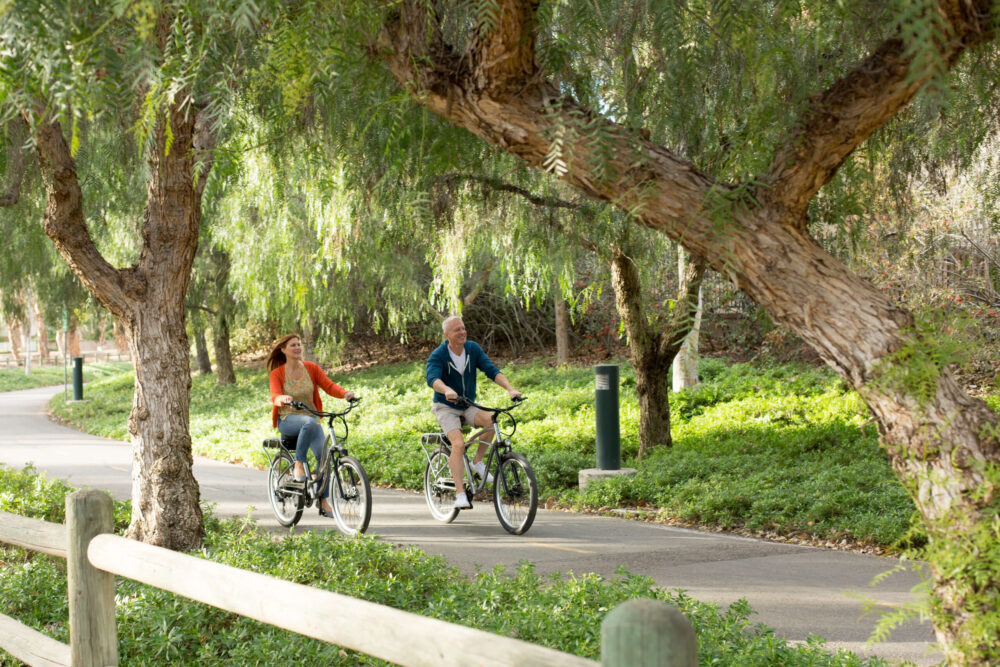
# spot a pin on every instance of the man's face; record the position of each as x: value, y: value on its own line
x: 455, y: 335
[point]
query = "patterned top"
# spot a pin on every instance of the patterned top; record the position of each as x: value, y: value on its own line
x: 301, y: 390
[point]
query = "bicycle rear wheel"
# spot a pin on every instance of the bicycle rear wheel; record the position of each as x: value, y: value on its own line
x: 286, y: 498
x: 515, y: 493
x: 439, y: 487
x: 352, y: 498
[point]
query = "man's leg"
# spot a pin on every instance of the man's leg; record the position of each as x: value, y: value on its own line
x: 455, y: 463
x: 483, y: 419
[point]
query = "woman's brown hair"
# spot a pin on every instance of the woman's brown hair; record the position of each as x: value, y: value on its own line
x: 277, y: 357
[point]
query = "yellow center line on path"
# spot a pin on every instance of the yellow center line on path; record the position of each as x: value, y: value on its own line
x: 122, y: 469
x: 552, y: 546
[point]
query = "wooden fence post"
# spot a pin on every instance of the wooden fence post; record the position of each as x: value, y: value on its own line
x: 92, y: 634
x: 647, y: 633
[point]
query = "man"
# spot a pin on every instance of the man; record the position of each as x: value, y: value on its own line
x: 451, y: 373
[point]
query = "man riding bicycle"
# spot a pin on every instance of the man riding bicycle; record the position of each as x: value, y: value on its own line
x: 451, y: 373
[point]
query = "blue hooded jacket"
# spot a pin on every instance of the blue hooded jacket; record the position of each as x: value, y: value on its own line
x: 463, y: 381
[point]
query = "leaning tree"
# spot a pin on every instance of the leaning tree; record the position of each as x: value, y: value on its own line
x: 507, y: 71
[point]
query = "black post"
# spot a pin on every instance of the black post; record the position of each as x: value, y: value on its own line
x: 77, y: 378
x: 606, y: 406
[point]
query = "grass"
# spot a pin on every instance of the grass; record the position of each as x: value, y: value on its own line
x: 159, y: 628
x: 774, y: 449
x: 13, y: 379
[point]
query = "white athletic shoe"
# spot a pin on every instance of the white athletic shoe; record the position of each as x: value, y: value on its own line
x: 479, y: 469
x: 462, y: 502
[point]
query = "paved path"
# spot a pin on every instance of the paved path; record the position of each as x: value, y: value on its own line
x: 796, y: 590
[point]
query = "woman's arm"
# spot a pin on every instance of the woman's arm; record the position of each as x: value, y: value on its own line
x: 277, y: 382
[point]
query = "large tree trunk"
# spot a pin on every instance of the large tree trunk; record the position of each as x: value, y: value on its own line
x: 943, y: 444
x: 652, y: 349
x: 147, y: 300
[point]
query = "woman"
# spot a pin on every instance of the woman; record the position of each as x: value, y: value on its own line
x: 298, y: 380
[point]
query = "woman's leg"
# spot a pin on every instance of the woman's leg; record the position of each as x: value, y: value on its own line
x: 308, y: 430
x: 316, y: 445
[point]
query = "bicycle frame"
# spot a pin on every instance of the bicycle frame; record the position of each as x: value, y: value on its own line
x: 332, y: 452
x: 500, y: 442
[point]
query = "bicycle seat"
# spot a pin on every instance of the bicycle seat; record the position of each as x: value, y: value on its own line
x: 286, y: 441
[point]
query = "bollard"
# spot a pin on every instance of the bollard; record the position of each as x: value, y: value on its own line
x: 647, y: 633
x: 606, y: 402
x: 92, y: 633
x: 77, y: 378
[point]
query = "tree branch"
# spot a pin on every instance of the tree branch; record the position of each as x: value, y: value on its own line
x: 65, y: 223
x: 503, y: 48
x: 686, y: 308
x: 848, y: 112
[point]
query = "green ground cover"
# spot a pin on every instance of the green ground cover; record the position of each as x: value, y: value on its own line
x: 783, y: 449
x: 158, y: 628
x: 12, y: 379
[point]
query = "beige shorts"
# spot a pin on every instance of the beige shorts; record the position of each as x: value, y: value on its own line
x: 449, y: 418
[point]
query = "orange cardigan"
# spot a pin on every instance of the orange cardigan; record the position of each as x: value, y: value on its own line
x: 319, y: 379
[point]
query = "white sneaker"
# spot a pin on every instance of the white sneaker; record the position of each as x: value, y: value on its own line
x: 462, y: 502
x: 479, y: 469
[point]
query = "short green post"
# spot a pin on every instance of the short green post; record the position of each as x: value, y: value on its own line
x: 609, y: 449
x: 77, y: 378
x: 647, y: 633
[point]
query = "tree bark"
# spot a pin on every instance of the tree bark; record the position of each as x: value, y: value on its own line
x: 944, y: 444
x: 147, y: 300
x: 223, y: 356
x: 200, y: 346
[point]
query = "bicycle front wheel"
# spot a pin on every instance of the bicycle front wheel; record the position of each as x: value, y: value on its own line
x: 439, y: 487
x: 515, y: 494
x: 351, y: 497
x: 287, y: 498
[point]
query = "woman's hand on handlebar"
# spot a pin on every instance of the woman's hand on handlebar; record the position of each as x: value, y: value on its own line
x: 350, y: 396
x: 282, y: 399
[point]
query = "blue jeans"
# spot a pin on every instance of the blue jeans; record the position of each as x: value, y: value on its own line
x: 311, y: 436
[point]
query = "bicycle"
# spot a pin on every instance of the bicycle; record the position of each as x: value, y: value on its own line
x: 515, y: 491
x: 350, y: 492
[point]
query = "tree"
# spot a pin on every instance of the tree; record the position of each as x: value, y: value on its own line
x: 83, y: 74
x: 828, y: 76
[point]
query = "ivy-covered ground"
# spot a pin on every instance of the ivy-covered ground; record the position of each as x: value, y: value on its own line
x: 158, y: 628
x: 780, y: 450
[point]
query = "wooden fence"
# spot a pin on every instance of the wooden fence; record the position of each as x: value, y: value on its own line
x: 637, y: 633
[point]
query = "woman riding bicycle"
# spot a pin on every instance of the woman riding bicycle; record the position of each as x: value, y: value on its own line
x: 293, y: 379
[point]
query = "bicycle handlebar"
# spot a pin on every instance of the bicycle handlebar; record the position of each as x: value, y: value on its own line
x: 514, y: 402
x: 351, y: 404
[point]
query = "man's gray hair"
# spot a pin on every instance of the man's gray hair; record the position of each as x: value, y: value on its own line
x: 448, y: 320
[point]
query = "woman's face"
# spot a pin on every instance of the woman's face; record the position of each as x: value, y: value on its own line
x: 293, y: 348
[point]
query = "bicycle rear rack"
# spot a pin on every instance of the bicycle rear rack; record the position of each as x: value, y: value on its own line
x: 433, y: 440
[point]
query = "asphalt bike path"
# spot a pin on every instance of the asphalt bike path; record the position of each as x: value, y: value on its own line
x: 797, y: 590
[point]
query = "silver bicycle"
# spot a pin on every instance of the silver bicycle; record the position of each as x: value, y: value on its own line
x: 515, y: 491
x: 350, y: 492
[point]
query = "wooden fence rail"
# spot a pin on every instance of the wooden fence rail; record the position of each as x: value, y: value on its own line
x: 638, y: 633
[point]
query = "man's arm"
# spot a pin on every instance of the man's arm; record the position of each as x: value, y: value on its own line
x: 501, y: 380
x: 440, y: 387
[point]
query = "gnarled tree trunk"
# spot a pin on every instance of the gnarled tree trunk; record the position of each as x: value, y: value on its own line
x: 147, y: 300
